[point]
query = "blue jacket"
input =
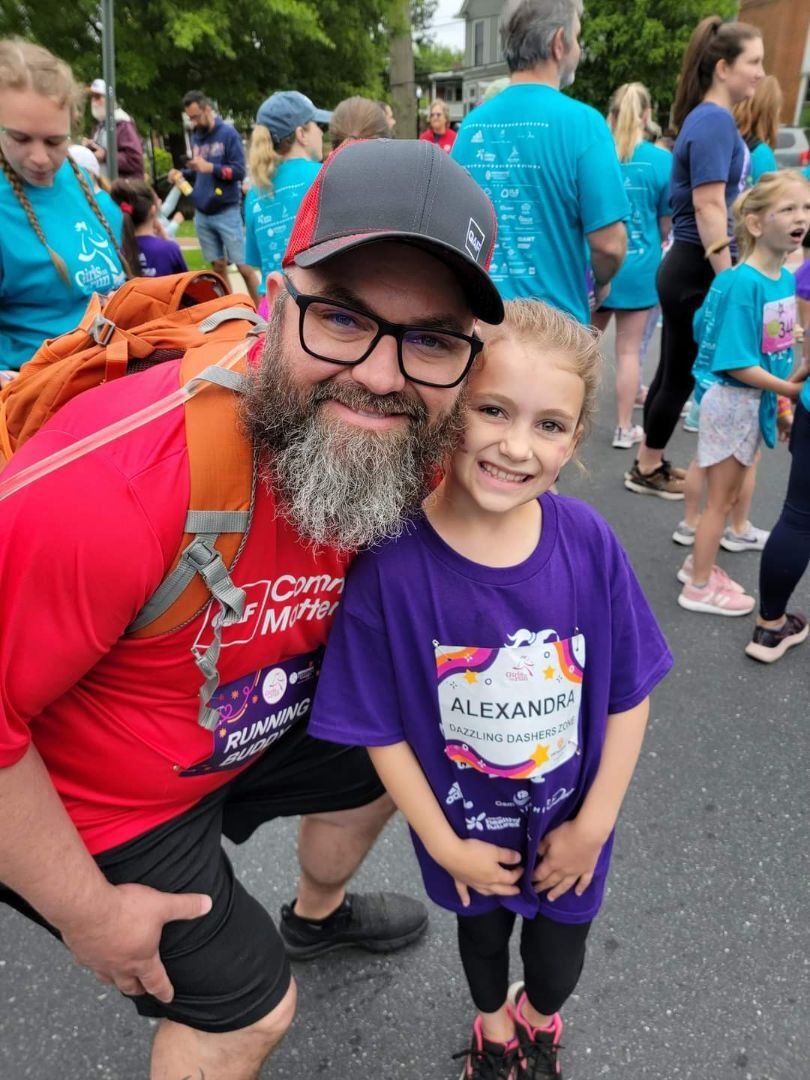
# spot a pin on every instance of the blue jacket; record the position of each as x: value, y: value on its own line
x: 217, y: 190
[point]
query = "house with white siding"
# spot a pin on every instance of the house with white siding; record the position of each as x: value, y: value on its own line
x: 483, y: 59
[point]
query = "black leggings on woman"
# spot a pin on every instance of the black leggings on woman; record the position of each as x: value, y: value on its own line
x: 787, y: 551
x: 553, y: 954
x: 684, y: 277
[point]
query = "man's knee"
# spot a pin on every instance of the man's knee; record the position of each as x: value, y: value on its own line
x: 272, y: 1028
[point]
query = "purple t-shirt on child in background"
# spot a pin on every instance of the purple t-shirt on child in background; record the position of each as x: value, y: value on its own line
x: 160, y: 257
x: 500, y: 679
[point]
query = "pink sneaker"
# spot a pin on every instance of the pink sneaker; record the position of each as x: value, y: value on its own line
x: 718, y: 575
x: 539, y: 1047
x: 715, y: 598
x: 487, y: 1060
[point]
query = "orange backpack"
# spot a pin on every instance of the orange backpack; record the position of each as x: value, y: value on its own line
x: 146, y: 322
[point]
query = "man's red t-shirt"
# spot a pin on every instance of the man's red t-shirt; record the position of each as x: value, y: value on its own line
x: 81, y: 551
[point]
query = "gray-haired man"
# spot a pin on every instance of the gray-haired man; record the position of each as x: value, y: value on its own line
x: 548, y: 163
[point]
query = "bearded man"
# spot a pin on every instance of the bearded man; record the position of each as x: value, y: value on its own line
x: 113, y: 803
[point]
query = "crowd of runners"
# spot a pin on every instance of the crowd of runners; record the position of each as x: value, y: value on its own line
x: 415, y: 361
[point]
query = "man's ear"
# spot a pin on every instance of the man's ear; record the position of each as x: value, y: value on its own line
x: 273, y: 286
x: 558, y: 45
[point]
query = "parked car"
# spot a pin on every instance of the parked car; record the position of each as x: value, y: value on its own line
x: 793, y: 147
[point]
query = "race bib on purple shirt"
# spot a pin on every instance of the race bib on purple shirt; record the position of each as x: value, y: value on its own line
x: 257, y: 709
x: 511, y: 712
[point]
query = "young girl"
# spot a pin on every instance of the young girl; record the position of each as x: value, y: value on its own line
x: 646, y: 170
x: 746, y: 332
x: 152, y: 254
x: 497, y: 660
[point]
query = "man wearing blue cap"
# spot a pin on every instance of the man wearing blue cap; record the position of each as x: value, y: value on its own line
x: 286, y: 150
x: 216, y: 169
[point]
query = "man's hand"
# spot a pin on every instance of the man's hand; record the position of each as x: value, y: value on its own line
x: 120, y: 943
x: 198, y: 164
x: 174, y: 175
x: 477, y: 865
x: 568, y: 856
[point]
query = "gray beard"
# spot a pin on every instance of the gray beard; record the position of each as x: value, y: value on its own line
x: 339, y: 485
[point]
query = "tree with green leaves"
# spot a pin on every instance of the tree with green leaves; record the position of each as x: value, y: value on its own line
x: 638, y: 41
x: 237, y: 51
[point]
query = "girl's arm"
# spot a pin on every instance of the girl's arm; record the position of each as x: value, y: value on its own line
x: 568, y: 854
x: 470, y: 862
x: 711, y: 218
x: 762, y: 380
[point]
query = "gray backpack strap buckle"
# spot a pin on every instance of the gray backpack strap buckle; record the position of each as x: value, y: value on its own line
x: 204, y: 559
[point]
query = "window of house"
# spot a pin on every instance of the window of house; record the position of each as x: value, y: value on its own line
x: 478, y: 43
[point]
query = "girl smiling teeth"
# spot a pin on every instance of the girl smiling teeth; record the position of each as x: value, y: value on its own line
x: 502, y: 474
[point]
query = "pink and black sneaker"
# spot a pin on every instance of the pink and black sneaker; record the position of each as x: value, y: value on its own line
x: 539, y: 1047
x: 487, y: 1060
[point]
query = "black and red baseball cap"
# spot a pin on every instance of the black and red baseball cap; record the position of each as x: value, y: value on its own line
x: 406, y: 190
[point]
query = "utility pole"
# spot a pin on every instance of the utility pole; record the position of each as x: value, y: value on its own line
x: 108, y: 58
x: 402, y: 78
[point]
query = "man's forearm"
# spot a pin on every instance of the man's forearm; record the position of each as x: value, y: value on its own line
x: 42, y: 856
x: 605, y: 266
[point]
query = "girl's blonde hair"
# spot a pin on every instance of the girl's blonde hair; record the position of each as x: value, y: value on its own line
x: 626, y: 117
x: 759, y: 116
x: 757, y: 200
x: 25, y: 66
x: 265, y: 156
x: 545, y: 328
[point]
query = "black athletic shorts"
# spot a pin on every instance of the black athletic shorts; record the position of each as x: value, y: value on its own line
x: 229, y: 968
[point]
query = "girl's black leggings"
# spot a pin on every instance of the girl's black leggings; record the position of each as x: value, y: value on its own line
x: 787, y: 551
x: 684, y: 278
x: 553, y: 954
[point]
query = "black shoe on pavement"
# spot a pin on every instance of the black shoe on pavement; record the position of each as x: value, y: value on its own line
x: 768, y: 645
x: 661, y: 481
x: 377, y: 922
x: 487, y: 1060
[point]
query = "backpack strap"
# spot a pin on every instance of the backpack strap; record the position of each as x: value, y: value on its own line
x: 222, y: 478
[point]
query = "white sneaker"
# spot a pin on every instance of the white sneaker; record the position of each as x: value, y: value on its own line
x: 684, y: 534
x: 753, y: 539
x: 626, y: 438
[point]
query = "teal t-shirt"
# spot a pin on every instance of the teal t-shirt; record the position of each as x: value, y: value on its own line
x: 750, y: 325
x: 549, y: 165
x: 646, y: 184
x: 763, y: 160
x: 269, y: 216
x: 35, y: 303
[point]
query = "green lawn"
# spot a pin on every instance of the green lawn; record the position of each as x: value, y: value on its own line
x: 186, y: 229
x: 194, y: 259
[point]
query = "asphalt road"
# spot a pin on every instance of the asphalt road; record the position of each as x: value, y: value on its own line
x: 698, y: 966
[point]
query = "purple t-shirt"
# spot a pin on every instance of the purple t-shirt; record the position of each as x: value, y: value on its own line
x: 160, y: 257
x: 500, y: 679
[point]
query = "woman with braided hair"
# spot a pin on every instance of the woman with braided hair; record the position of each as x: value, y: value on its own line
x: 56, y: 246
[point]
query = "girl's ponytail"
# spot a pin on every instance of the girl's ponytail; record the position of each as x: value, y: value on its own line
x: 264, y: 157
x: 712, y: 40
x: 626, y: 117
x: 136, y: 199
x: 16, y: 185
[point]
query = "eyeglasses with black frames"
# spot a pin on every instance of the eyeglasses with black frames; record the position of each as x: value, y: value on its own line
x: 346, y: 335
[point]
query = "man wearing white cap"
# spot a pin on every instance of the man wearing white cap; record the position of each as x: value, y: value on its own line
x: 127, y: 139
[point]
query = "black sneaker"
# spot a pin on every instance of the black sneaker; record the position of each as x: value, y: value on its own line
x: 539, y: 1048
x: 487, y: 1060
x: 377, y: 922
x: 661, y: 481
x: 768, y: 645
